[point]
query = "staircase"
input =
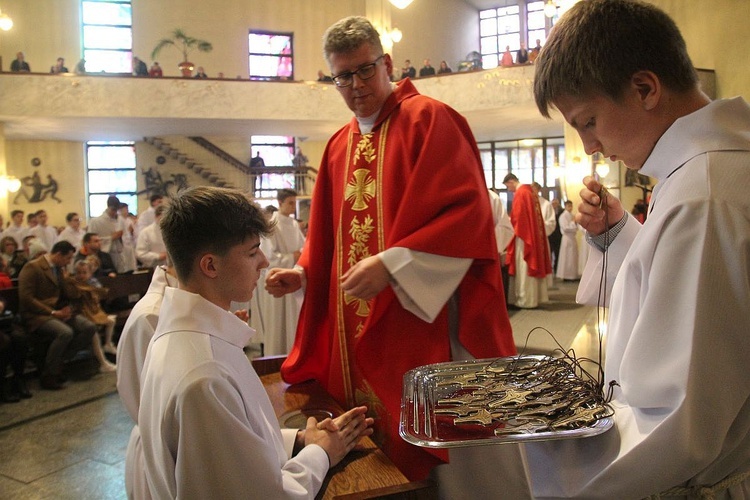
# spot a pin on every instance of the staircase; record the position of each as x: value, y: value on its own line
x: 215, y: 166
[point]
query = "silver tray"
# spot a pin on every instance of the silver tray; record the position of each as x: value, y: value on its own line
x: 424, y: 386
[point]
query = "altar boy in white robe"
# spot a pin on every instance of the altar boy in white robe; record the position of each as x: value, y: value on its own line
x: 208, y: 428
x: 677, y: 346
x: 567, y: 268
x: 282, y: 248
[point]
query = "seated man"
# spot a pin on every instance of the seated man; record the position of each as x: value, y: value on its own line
x: 150, y: 249
x: 196, y: 375
x: 92, y: 245
x: 48, y: 318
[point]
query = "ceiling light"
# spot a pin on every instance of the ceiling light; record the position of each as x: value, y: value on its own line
x: 401, y: 4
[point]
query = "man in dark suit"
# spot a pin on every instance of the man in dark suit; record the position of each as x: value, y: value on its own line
x: 91, y: 245
x: 47, y: 316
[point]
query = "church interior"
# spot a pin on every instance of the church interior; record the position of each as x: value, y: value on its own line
x: 71, y: 444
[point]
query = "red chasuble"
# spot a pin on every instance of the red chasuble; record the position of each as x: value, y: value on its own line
x: 415, y: 182
x: 528, y: 224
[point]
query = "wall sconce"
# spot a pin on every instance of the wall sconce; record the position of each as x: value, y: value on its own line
x: 401, y: 4
x: 550, y: 8
x: 6, y: 22
x: 396, y: 35
x: 9, y: 184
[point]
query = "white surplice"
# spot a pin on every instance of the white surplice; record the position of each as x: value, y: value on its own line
x: 150, y: 246
x: 278, y: 316
x: 567, y: 267
x: 131, y: 354
x: 678, y: 341
x: 208, y: 427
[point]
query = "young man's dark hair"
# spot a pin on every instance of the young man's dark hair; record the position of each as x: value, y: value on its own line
x: 510, y: 177
x: 63, y: 247
x: 604, y: 44
x: 70, y: 216
x: 190, y: 228
x: 113, y: 202
x: 87, y: 237
x: 283, y: 194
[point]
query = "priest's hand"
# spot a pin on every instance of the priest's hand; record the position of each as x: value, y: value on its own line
x: 365, y: 279
x: 591, y: 212
x: 340, y: 435
x: 280, y: 281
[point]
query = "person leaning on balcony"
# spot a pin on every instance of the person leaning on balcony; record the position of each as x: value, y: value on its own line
x: 19, y: 64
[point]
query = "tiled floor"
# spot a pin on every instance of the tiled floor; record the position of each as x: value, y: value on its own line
x: 70, y: 444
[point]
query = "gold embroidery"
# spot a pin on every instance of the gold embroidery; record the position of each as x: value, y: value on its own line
x: 360, y: 234
x: 358, y: 250
x: 365, y: 148
x: 363, y: 307
x: 360, y: 190
x: 365, y: 395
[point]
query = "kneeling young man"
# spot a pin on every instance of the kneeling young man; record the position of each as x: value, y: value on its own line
x: 208, y: 427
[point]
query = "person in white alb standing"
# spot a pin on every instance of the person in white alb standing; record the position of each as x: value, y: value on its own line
x: 282, y: 248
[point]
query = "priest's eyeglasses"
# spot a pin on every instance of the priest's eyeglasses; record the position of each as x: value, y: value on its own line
x: 364, y: 73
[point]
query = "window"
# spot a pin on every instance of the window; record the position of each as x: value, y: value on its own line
x: 531, y: 160
x: 107, y: 36
x: 110, y: 169
x: 498, y: 29
x: 271, y: 56
x: 536, y: 24
x: 523, y: 21
x: 275, y: 152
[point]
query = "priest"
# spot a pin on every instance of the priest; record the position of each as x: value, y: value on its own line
x: 401, y: 264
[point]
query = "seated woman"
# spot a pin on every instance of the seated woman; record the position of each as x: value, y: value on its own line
x: 12, y: 255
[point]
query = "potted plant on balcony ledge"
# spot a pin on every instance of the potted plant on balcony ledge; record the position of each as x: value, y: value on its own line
x: 184, y: 44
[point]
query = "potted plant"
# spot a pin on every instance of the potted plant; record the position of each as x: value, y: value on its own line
x: 184, y: 44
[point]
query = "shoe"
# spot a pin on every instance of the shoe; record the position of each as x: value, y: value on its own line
x: 107, y: 368
x: 110, y: 349
x: 50, y: 382
x: 21, y: 388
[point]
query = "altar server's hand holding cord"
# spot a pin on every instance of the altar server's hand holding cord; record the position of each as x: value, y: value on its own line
x: 591, y: 212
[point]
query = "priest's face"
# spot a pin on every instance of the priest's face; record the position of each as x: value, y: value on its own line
x: 365, y: 96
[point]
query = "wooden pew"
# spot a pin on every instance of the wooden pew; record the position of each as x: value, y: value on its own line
x: 124, y: 291
x: 10, y: 296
